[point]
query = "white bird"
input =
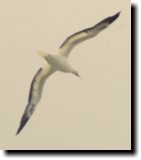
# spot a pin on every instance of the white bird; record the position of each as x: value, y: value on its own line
x: 59, y: 62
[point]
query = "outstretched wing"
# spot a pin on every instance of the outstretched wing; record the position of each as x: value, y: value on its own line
x: 35, y: 94
x: 88, y: 33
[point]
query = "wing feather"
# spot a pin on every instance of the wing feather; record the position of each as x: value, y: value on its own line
x: 35, y: 94
x: 83, y: 35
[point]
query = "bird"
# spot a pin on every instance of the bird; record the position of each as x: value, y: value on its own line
x: 59, y: 62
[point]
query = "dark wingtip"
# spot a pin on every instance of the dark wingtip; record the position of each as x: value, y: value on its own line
x: 18, y: 131
x: 118, y: 14
x: 22, y: 124
x: 110, y: 19
x: 113, y: 18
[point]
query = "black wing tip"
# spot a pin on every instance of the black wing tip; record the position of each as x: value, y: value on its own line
x: 114, y: 17
x: 18, y: 131
x: 22, y: 124
x: 117, y: 14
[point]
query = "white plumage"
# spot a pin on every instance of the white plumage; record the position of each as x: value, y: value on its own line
x: 59, y: 62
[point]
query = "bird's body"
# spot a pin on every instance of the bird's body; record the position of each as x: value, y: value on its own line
x: 59, y: 62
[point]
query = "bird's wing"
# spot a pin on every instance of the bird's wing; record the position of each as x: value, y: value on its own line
x: 35, y: 93
x: 88, y: 33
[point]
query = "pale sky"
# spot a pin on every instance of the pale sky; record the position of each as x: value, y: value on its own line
x: 88, y: 113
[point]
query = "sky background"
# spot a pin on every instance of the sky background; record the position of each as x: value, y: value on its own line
x: 88, y: 113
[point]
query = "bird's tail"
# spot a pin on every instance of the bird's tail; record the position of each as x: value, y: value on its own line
x: 43, y: 54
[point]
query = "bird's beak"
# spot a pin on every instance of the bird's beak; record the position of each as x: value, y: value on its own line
x: 42, y: 54
x: 78, y: 75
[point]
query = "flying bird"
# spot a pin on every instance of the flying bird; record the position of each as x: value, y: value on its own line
x: 59, y: 62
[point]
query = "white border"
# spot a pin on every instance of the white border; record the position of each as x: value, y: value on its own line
x: 138, y: 154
